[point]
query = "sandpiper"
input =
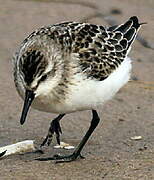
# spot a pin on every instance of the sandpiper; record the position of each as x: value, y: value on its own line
x: 71, y: 66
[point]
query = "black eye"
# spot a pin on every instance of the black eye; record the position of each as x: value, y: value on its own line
x: 43, y: 77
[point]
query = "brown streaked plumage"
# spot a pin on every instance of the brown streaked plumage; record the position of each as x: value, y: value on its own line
x: 70, y: 67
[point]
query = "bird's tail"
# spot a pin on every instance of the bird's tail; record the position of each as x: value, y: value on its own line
x: 129, y: 30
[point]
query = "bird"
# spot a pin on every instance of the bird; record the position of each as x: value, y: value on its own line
x: 72, y: 66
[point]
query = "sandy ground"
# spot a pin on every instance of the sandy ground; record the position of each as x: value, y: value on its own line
x: 110, y: 153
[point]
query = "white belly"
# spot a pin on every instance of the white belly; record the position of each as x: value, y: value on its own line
x: 87, y: 94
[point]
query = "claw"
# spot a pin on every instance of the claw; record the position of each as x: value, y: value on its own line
x: 61, y: 159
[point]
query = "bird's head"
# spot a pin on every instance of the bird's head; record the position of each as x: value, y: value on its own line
x: 36, y: 73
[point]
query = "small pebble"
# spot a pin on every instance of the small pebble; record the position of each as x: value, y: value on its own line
x: 134, y: 78
x: 139, y: 60
x: 64, y: 145
x: 143, y: 148
x: 120, y: 119
x: 115, y: 11
x: 136, y: 138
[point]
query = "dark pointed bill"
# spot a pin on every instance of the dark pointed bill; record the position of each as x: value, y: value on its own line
x: 29, y: 97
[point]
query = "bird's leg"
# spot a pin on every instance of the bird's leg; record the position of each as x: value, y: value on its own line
x: 76, y: 153
x: 54, y: 128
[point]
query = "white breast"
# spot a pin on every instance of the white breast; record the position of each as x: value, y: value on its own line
x: 90, y: 93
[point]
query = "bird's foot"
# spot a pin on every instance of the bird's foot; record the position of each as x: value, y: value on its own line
x: 62, y: 159
x: 54, y: 128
